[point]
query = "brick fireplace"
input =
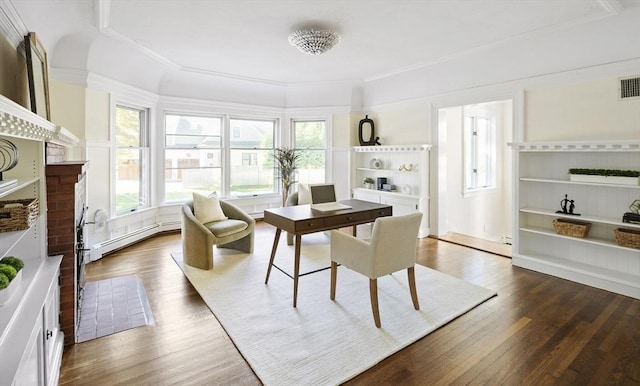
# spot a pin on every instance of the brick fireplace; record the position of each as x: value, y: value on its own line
x: 66, y: 202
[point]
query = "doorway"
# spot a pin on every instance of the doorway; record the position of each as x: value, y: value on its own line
x: 474, y: 164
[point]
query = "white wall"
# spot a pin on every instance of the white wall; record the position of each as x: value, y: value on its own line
x: 588, y: 110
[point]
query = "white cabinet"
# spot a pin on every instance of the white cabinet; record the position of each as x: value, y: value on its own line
x: 31, y: 344
x: 542, y: 183
x: 405, y: 167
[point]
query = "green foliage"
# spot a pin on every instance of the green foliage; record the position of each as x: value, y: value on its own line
x: 13, y: 261
x: 4, y: 281
x: 369, y: 180
x: 286, y: 164
x: 8, y: 271
x: 606, y: 172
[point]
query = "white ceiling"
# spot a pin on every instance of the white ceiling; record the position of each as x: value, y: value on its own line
x: 248, y: 39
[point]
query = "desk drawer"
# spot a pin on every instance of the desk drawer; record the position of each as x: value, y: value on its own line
x: 381, y: 212
x: 346, y: 219
x: 307, y: 225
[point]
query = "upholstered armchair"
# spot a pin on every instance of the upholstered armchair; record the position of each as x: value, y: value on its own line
x: 392, y: 248
x: 198, y: 239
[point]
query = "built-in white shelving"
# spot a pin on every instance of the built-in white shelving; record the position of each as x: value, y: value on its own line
x: 406, y: 167
x: 31, y: 343
x: 542, y: 183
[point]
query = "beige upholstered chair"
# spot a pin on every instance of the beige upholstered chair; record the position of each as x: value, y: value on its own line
x: 392, y: 247
x: 236, y: 232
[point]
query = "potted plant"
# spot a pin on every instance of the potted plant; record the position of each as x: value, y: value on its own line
x: 368, y: 183
x: 605, y: 176
x: 10, y: 277
x: 286, y: 163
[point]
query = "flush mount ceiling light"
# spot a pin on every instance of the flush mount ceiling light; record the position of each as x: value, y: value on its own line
x: 314, y: 41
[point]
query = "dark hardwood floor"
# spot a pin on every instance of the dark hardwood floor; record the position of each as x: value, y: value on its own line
x: 538, y: 330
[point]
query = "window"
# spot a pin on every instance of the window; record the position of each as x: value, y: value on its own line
x: 193, y: 156
x: 131, y: 159
x: 479, y: 152
x: 251, y: 151
x: 310, y: 139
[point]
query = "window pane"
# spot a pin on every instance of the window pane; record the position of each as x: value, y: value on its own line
x: 129, y: 189
x: 251, y: 134
x: 131, y: 159
x: 128, y: 127
x: 310, y: 139
x: 192, y: 141
x: 193, y: 156
x: 190, y: 125
x: 311, y: 166
x: 180, y: 183
x: 251, y: 172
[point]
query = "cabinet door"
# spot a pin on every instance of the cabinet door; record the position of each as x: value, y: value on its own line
x: 51, y: 326
x: 365, y: 195
x: 401, y: 206
x: 31, y: 368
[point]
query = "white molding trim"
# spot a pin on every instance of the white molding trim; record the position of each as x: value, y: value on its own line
x: 17, y: 121
x: 11, y: 24
x: 576, y: 75
x: 119, y: 89
x: 69, y: 75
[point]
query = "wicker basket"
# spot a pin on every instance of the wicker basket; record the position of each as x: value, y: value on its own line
x: 15, y: 218
x: 629, y: 238
x: 571, y: 228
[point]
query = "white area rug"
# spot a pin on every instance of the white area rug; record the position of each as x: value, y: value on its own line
x: 321, y: 342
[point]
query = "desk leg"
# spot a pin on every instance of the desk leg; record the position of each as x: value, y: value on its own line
x: 296, y: 269
x: 355, y: 230
x: 273, y: 253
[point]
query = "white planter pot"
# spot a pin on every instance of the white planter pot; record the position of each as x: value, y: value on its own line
x: 7, y: 293
x: 633, y: 181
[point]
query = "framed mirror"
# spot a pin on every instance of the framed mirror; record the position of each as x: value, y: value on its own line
x: 38, y: 74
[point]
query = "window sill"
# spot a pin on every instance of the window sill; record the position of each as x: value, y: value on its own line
x: 479, y: 192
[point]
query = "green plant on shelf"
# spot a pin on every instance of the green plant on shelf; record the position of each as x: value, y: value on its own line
x: 606, y: 172
x: 9, y: 268
x: 369, y: 180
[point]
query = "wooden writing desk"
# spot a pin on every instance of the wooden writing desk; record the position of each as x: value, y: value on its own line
x: 301, y: 219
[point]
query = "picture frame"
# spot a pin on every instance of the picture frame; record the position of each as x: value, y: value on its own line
x: 38, y: 76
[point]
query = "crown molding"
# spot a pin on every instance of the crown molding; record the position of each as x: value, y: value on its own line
x: 11, y: 24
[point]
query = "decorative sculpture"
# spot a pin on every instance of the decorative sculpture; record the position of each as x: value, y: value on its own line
x: 567, y: 206
x: 373, y: 140
x: 8, y: 160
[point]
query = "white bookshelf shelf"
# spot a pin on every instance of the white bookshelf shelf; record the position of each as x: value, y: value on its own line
x: 542, y: 182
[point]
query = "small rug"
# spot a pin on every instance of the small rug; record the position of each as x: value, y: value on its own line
x: 113, y: 305
x: 321, y: 342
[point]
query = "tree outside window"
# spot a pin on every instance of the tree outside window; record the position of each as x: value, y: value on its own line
x: 310, y: 140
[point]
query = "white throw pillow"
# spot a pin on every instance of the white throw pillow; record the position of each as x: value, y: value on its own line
x: 304, y: 195
x: 207, y: 209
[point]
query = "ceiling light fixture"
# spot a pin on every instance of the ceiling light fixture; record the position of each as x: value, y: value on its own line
x: 314, y: 41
